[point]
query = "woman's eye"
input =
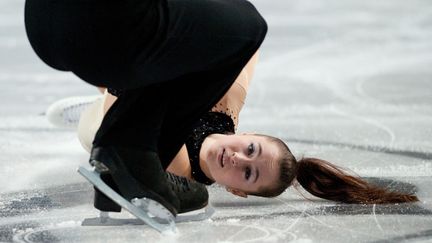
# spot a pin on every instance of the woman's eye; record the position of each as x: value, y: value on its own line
x: 247, y: 173
x: 251, y: 149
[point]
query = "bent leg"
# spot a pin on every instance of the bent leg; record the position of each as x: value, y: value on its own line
x: 132, y: 44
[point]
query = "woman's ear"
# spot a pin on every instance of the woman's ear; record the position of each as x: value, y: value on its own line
x: 236, y: 192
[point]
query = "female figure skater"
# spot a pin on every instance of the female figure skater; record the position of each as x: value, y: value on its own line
x: 171, y: 60
x: 239, y: 166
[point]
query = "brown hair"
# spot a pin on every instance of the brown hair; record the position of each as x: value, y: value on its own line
x: 325, y: 180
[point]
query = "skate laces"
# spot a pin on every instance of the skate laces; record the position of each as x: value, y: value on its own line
x: 71, y: 114
x: 67, y: 112
x: 178, y: 182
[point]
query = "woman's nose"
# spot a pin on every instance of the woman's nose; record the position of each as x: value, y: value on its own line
x: 236, y: 159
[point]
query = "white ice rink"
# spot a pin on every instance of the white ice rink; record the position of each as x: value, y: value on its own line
x: 349, y: 81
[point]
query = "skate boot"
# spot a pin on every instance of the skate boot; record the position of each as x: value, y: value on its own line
x: 102, y: 202
x: 66, y: 113
x: 192, y: 195
x: 144, y: 188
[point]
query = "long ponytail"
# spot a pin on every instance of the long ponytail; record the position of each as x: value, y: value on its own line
x: 325, y: 180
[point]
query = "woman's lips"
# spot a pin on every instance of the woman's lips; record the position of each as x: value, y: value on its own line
x: 221, y: 159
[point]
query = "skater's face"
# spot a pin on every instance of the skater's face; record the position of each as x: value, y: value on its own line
x: 242, y: 163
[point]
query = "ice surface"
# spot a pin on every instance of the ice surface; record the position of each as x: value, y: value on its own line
x: 347, y: 81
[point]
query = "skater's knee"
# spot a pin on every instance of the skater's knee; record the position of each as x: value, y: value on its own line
x: 227, y: 18
x: 248, y: 21
x: 256, y: 24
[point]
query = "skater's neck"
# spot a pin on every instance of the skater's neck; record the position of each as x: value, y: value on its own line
x: 203, y: 156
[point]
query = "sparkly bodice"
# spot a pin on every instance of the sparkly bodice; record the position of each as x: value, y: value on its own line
x: 211, y: 122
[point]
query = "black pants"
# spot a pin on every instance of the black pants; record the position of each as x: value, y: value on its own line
x: 174, y: 59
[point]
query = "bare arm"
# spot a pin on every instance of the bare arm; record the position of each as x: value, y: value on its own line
x: 234, y: 99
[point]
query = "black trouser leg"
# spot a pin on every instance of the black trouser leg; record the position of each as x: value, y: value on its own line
x: 135, y: 119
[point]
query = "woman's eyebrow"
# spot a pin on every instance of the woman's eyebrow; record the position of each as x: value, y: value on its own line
x: 259, y: 149
x: 256, y: 174
x: 256, y: 169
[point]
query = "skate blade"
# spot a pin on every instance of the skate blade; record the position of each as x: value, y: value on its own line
x: 196, y: 216
x: 105, y: 220
x: 149, y: 211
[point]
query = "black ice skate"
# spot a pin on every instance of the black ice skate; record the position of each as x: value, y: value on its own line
x: 193, y: 196
x: 155, y: 199
x: 193, y: 203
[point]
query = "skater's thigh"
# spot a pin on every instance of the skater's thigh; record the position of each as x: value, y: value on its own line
x: 89, y: 123
x: 204, y: 35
